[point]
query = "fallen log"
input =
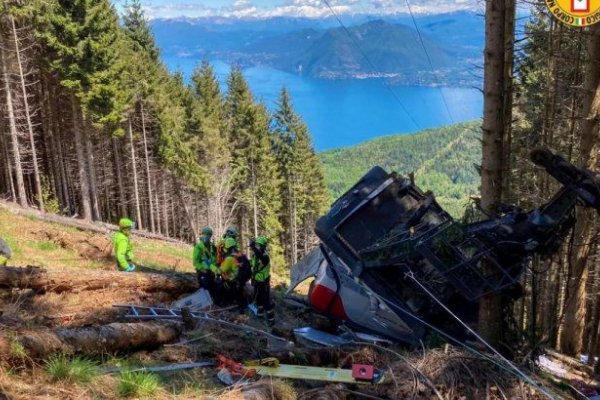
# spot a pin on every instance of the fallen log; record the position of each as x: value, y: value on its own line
x: 106, y: 339
x: 96, y: 226
x: 58, y: 281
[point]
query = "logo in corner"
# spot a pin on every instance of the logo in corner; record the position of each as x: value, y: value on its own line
x: 575, y: 12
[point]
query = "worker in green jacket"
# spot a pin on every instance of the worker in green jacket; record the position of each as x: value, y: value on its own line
x: 233, y: 273
x: 123, y: 247
x: 5, y: 252
x: 205, y: 259
x: 231, y: 232
x: 261, y: 279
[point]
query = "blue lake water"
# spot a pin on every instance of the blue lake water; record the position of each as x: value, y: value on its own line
x: 346, y: 112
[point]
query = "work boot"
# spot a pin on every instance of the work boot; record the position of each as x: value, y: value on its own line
x: 271, y: 317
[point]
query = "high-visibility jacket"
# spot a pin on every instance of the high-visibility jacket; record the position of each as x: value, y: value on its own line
x: 236, y: 266
x: 229, y: 268
x: 261, y: 267
x: 205, y: 256
x: 221, y: 250
x: 123, y: 250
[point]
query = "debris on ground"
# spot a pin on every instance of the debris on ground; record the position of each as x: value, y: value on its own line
x: 78, y: 320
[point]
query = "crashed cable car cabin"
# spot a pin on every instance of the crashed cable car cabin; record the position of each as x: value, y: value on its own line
x: 384, y: 235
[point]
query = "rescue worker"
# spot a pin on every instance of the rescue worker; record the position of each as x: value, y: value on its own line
x: 5, y: 253
x: 235, y: 271
x: 205, y: 258
x: 261, y: 279
x: 231, y: 232
x: 123, y: 247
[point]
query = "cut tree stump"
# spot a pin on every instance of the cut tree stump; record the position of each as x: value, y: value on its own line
x: 52, y: 280
x: 106, y: 339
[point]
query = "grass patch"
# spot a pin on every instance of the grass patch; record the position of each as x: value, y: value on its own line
x: 17, y: 350
x: 76, y: 370
x: 47, y: 246
x: 137, y: 384
x: 30, y: 246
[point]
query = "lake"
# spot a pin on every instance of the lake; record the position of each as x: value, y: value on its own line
x: 346, y: 112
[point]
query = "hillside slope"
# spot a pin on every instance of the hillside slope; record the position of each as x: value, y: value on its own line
x: 442, y: 159
x: 46, y: 244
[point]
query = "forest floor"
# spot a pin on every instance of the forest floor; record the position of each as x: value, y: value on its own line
x: 435, y: 373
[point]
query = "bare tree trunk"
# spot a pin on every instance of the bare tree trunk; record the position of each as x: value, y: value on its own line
x: 119, y: 175
x: 191, y: 220
x: 293, y: 222
x: 498, y: 42
x: 92, y: 177
x: 254, y: 201
x: 49, y: 134
x: 159, y: 226
x: 165, y: 210
x: 148, y: 177
x: 36, y: 170
x: 81, y: 162
x: 136, y: 191
x: 575, y: 313
x: 9, y: 175
x: 21, y: 194
x: 62, y: 164
x: 509, y: 29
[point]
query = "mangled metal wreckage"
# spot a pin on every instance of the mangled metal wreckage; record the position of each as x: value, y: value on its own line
x: 384, y: 238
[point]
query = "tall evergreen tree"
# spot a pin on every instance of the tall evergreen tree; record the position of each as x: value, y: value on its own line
x: 138, y: 30
x: 303, y: 189
x: 212, y: 145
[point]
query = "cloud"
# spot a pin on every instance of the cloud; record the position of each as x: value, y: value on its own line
x: 302, y: 8
x: 387, y: 7
x: 311, y: 8
x: 192, y: 10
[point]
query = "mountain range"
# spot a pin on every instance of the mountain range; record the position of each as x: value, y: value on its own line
x: 365, y: 47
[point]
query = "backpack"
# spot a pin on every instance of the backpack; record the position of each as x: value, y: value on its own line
x: 245, y: 269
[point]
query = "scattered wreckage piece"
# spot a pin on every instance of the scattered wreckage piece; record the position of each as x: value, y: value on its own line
x: 197, y: 301
x: 72, y: 279
x: 321, y: 338
x: 385, y: 240
x: 111, y: 338
x: 330, y: 340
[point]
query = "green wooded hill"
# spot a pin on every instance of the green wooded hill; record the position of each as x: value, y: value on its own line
x: 443, y: 160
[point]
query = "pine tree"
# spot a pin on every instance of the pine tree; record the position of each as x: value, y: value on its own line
x: 303, y: 189
x: 138, y: 30
x: 213, y: 145
x: 255, y: 173
x: 82, y: 40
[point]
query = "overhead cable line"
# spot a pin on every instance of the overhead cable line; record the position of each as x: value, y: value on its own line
x: 373, y: 67
x: 511, y: 370
x: 414, y: 21
x: 510, y: 367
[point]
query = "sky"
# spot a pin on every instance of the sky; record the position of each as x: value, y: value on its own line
x: 295, y: 8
